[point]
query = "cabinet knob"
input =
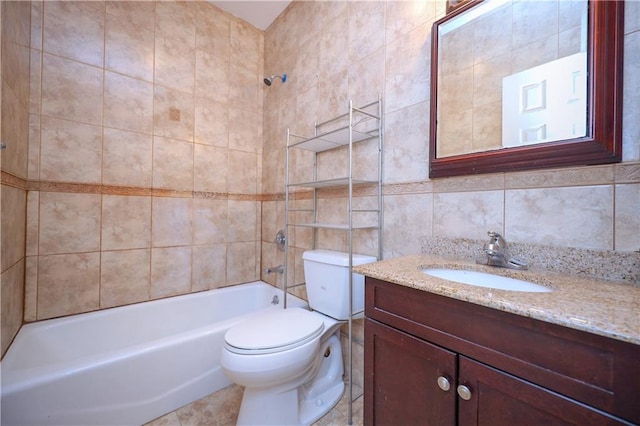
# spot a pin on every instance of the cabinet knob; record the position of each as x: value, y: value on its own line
x: 464, y: 392
x: 443, y: 383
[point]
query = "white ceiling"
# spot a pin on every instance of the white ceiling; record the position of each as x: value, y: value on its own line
x: 259, y: 13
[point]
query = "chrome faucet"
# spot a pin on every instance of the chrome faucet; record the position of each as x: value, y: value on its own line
x: 497, y: 254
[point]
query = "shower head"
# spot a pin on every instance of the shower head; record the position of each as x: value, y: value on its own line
x: 269, y: 80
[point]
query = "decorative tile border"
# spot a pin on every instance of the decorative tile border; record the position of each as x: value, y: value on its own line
x: 627, y: 173
x: 13, y: 181
x: 595, y: 175
x: 75, y: 188
x: 567, y: 177
x: 423, y: 187
x: 87, y: 188
x: 488, y: 182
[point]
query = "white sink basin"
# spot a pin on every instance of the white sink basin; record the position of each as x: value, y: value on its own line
x: 481, y: 279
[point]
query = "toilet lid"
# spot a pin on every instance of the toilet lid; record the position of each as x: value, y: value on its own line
x: 274, y: 331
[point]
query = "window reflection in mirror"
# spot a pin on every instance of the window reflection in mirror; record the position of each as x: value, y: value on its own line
x: 512, y: 73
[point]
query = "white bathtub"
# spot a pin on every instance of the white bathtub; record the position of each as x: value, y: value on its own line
x: 126, y: 365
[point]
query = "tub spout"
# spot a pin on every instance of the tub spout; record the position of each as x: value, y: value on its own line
x: 277, y: 269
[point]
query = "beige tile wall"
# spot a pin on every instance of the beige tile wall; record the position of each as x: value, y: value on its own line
x: 145, y: 153
x: 361, y: 49
x: 14, y: 133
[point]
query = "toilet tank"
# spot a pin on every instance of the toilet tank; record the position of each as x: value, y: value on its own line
x: 326, y: 273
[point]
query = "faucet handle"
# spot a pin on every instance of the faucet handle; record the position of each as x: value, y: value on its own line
x: 496, y: 239
x: 494, y: 234
x: 496, y: 245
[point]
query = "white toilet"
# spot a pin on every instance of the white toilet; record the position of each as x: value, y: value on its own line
x: 290, y: 361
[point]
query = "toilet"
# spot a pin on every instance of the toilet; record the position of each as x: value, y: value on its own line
x: 290, y: 361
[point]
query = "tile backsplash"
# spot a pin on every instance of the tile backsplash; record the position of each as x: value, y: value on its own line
x: 597, y: 264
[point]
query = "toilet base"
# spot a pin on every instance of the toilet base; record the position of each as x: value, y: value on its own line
x: 302, y: 405
x: 260, y: 408
x: 312, y: 410
x: 266, y: 408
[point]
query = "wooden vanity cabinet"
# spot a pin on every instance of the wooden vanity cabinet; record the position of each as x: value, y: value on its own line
x: 400, y: 379
x: 517, y: 370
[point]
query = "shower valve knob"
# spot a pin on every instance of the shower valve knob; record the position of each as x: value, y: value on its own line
x: 280, y: 240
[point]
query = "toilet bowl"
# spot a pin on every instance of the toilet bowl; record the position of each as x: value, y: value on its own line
x: 290, y: 361
x: 276, y: 360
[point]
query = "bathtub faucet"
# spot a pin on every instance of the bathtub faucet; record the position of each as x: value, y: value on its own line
x: 271, y: 270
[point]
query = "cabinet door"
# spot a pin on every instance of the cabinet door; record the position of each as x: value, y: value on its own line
x: 498, y: 398
x: 401, y: 379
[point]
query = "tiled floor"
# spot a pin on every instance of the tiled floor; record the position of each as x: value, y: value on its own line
x: 221, y: 409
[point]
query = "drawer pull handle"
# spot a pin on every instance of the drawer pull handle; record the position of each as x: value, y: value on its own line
x: 464, y: 392
x: 443, y: 383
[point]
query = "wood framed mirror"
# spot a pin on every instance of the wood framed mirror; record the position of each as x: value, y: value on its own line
x: 461, y: 125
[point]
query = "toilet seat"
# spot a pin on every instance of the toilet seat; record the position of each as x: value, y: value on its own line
x: 274, y: 332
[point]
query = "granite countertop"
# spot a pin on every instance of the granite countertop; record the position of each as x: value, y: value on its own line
x: 596, y: 306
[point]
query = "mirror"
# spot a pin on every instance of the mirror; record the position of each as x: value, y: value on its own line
x: 525, y: 84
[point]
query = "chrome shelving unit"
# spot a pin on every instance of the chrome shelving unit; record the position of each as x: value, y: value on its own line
x: 358, y: 125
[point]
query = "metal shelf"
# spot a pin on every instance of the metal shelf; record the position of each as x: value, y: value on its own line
x: 331, y: 183
x: 333, y: 226
x: 337, y: 138
x: 363, y: 123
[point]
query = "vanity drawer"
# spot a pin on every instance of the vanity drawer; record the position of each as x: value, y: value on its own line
x: 595, y: 370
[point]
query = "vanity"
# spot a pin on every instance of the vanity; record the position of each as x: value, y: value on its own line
x: 438, y: 352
